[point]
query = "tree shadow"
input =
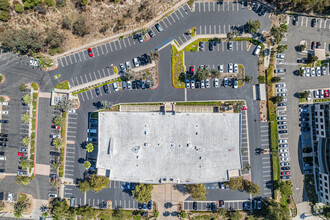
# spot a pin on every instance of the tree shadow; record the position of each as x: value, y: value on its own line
x: 181, y: 188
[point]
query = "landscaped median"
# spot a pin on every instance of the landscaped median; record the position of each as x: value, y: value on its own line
x: 63, y: 85
x: 178, y: 69
x: 99, y: 85
x: 241, y: 79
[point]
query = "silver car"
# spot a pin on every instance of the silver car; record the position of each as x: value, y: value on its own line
x: 235, y: 68
x: 230, y: 67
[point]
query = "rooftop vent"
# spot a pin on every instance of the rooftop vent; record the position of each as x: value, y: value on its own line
x: 146, y: 144
x: 196, y: 132
x: 136, y: 149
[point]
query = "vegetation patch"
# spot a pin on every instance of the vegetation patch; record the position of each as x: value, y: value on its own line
x: 57, y: 76
x: 321, y: 100
x: 199, y: 103
x: 192, y: 32
x: 194, y: 45
x: 241, y: 81
x: 177, y: 68
x: 309, y: 185
x: 63, y: 85
x: 35, y: 86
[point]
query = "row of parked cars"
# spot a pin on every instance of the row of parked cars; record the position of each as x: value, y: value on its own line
x: 207, y: 83
x: 314, y: 71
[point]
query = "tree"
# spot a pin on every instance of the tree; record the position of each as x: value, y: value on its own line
x: 60, y: 3
x: 56, y: 165
x: 251, y: 187
x: 156, y: 213
x: 222, y: 212
x: 31, y: 3
x: 19, y: 8
x: 234, y: 215
x: 106, y: 104
x: 202, y: 73
x: 86, y: 212
x: 45, y: 61
x: 54, y: 38
x: 254, y: 25
x: 22, y: 87
x: 312, y: 59
x: 65, y: 105
x: 89, y: 147
x: 26, y: 140
x: 25, y: 180
x: 248, y: 79
x: 302, y: 47
x: 246, y: 166
x: 261, y: 79
x: 27, y: 99
x: 26, y: 118
x: 59, y: 121
x: 79, y: 27
x: 281, y: 48
x: 87, y: 165
x: 60, y: 209
x: 235, y: 183
x: 50, y: 2
x: 286, y: 188
x: 154, y: 55
x: 274, y: 210
x: 215, y: 73
x: 58, y: 143
x: 4, y: 16
x: 4, y: 5
x: 118, y: 214
x: 300, y: 72
x: 275, y: 79
x: 83, y: 2
x: 84, y: 186
x: 276, y: 99
x: 142, y: 192
x: 66, y: 23
x: 2, y: 99
x: 19, y: 208
x: 197, y: 191
x: 25, y: 163
x: 231, y: 35
x: 183, y: 214
x: 98, y: 182
x: 304, y: 95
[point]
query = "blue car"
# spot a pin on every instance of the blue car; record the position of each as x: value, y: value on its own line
x: 150, y: 205
x: 144, y: 206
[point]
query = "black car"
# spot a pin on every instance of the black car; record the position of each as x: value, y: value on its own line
x: 151, y: 33
x: 295, y: 20
x: 106, y: 88
x: 3, y: 144
x: 144, y: 206
x: 221, y: 203
x: 285, y: 168
x: 197, y: 84
x: 194, y: 205
x: 52, y: 153
x: 138, y: 84
x: 283, y: 131
x: 97, y: 91
x: 213, y: 207
x: 2, y: 153
x: 134, y: 84
x: 3, y: 135
x: 4, y: 121
x: 150, y: 205
x: 139, y: 206
x: 201, y: 46
x: 211, y: 46
x: 318, y: 45
x: 281, y: 104
x: 3, y: 139
x: 158, y: 27
x: 2, y: 170
x: 313, y: 22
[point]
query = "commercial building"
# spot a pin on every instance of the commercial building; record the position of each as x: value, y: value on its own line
x: 158, y: 147
x: 321, y: 133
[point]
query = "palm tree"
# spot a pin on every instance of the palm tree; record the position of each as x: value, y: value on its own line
x: 89, y: 147
x: 56, y: 165
x: 19, y: 208
x: 25, y: 163
x: 154, y: 54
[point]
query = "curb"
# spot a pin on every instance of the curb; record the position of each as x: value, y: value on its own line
x: 35, y: 140
x: 51, y: 69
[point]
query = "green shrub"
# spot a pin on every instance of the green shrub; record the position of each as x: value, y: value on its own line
x: 79, y: 27
x: 4, y: 5
x: 50, y: 2
x: 31, y: 3
x: 4, y: 16
x: 52, y: 51
x: 34, y: 86
x: 261, y: 79
x: 84, y: 2
x: 58, y: 50
x: 19, y: 8
x: 60, y: 3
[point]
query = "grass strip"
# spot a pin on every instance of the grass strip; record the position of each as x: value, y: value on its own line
x: 177, y: 68
x: 199, y: 103
x: 34, y: 86
x: 63, y: 85
x: 241, y: 81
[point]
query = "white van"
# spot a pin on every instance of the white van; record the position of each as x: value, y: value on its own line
x: 2, y: 158
x: 257, y: 50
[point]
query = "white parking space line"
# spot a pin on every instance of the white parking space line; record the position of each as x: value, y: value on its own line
x: 237, y: 6
x: 229, y: 28
x: 119, y: 44
x: 110, y: 46
x: 86, y: 78
x: 181, y: 42
x: 205, y: 29
x: 210, y: 29
x: 74, y: 55
x: 228, y: 6
x: 108, y: 71
x: 103, y: 72
x: 81, y: 79
x: 106, y: 48
x: 180, y: 12
x: 320, y: 23
x: 66, y: 61
x: 99, y: 74
x: 86, y: 95
x: 102, y: 49
x: 90, y: 91
x: 204, y: 6
x: 124, y: 42
x: 236, y: 45
x: 184, y: 37
x: 95, y: 75
x: 172, y: 18
x: 115, y: 45
x: 61, y: 64
x: 72, y: 82
x: 163, y: 23
x: 129, y: 42
x: 70, y: 59
x: 168, y: 21
x: 82, y: 97
x: 97, y: 51
x: 90, y: 76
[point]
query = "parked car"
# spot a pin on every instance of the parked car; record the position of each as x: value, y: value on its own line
x: 115, y: 86
x: 281, y: 118
x: 285, y: 168
x: 192, y: 84
x: 207, y: 83
x: 192, y: 70
x: 97, y: 91
x: 151, y: 33
x: 201, y: 46
x: 52, y: 195
x: 282, y: 141
x: 284, y: 164
x: 158, y: 27
x: 280, y: 70
x: 136, y: 62
x: 194, y: 205
x: 282, y: 122
x: 280, y: 56
x: 187, y: 83
x: 313, y: 45
x: 211, y: 46
x: 313, y: 22
x: 294, y: 20
x: 55, y: 127
x: 285, y: 158
x: 284, y: 150
x: 283, y: 131
x: 283, y: 145
x: 72, y: 202
x: 21, y: 154
x: 230, y: 45
x: 202, y: 84
x: 285, y: 177
x: 122, y: 67
x: 281, y: 85
x: 150, y: 205
x: 129, y: 85
x: 235, y: 68
x: 285, y: 173
x: 221, y: 68
x: 139, y: 37
x: 216, y: 83
x: 128, y: 64
x: 22, y: 149
x: 235, y: 83
x: 230, y: 67
x: 90, y: 52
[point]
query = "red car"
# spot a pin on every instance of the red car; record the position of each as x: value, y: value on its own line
x: 90, y: 52
x: 244, y: 108
x: 56, y: 127
x: 285, y: 173
x: 21, y: 154
x: 192, y: 70
x: 326, y: 93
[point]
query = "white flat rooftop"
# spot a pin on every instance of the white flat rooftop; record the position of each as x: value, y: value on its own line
x: 151, y: 147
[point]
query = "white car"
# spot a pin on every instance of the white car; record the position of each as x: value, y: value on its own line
x: 129, y: 85
x: 281, y: 118
x: 202, y: 84
x: 122, y: 67
x: 72, y: 111
x: 308, y: 71
x: 284, y: 150
x: 235, y: 68
x: 281, y: 94
x: 187, y: 83
x: 192, y: 84
x: 284, y: 100
x: 207, y: 83
x: 280, y: 85
x: 115, y: 86
x: 3, y: 103
x: 312, y: 72
x: 230, y: 67
x: 221, y: 68
x: 318, y: 71
x: 316, y: 94
x: 216, y: 83
x: 128, y: 65
x: 136, y: 62
x: 4, y: 112
x: 32, y: 62
x: 324, y: 70
x: 281, y: 90
x: 285, y: 154
x: 285, y: 158
x: 280, y: 56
